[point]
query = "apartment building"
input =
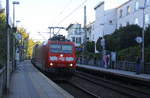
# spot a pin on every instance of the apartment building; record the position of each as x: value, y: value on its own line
x: 130, y: 12
x: 133, y: 12
x: 99, y: 21
x: 105, y: 21
x: 76, y: 33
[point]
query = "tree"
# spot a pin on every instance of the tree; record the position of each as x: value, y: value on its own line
x: 2, y: 21
x: 90, y: 46
x: 2, y: 36
x: 123, y: 38
x: 23, y: 32
x: 31, y: 45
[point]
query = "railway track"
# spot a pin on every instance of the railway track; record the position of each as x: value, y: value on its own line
x: 75, y: 90
x: 85, y: 90
x: 128, y: 91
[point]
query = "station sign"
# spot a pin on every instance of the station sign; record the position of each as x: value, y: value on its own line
x: 18, y: 36
x: 139, y: 39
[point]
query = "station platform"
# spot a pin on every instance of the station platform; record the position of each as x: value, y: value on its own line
x: 128, y: 74
x: 28, y: 82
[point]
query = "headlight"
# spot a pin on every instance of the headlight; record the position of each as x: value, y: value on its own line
x: 70, y: 65
x: 53, y: 58
x: 69, y: 58
x: 51, y: 64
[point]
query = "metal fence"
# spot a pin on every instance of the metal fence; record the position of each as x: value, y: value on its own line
x: 125, y: 65
x: 3, y: 58
x: 3, y: 52
x: 2, y: 81
x: 121, y: 65
x: 147, y: 68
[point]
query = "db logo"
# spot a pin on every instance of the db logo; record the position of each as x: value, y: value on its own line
x: 62, y: 58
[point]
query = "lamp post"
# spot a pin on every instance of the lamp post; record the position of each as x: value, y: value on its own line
x: 14, y: 41
x: 14, y: 3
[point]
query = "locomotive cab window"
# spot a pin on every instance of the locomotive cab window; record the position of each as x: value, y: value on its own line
x: 61, y: 48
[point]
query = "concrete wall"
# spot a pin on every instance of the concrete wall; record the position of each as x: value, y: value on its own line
x: 110, y: 21
x: 99, y: 22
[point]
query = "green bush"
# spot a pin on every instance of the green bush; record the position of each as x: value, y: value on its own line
x: 90, y: 46
x: 131, y: 53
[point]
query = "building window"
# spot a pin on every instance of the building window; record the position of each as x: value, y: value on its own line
x: 77, y: 31
x: 146, y: 19
x: 136, y: 21
x: 78, y: 40
x: 128, y: 10
x: 136, y: 5
x: 73, y: 39
x: 110, y: 21
x: 93, y: 36
x: 127, y: 23
x: 121, y: 12
x: 147, y: 2
x: 120, y: 26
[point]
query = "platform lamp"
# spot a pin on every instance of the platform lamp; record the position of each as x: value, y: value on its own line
x: 14, y: 3
x: 14, y: 40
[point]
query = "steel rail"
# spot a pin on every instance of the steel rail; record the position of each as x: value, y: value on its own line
x: 113, y: 85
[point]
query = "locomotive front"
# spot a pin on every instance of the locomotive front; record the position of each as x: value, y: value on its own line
x: 61, y: 57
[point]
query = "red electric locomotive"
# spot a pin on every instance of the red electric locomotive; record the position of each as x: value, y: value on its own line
x: 57, y: 55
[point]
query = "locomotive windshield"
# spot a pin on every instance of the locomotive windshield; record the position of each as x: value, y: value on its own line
x: 61, y: 48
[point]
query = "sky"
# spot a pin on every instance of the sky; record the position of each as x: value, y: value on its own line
x: 37, y: 15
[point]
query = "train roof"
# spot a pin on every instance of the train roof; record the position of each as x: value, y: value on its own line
x: 59, y: 38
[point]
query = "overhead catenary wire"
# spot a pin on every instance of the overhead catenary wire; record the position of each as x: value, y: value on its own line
x: 78, y: 7
x: 65, y: 7
x: 43, y: 37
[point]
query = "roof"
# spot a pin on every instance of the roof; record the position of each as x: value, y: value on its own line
x: 101, y: 3
x: 124, y: 3
x: 69, y: 26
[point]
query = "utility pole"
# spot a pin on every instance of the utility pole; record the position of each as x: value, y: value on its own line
x: 8, y: 46
x: 85, y: 19
x: 142, y: 52
x: 143, y: 35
